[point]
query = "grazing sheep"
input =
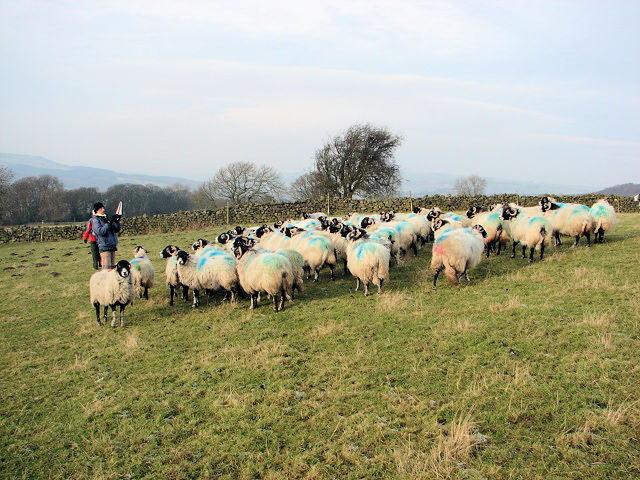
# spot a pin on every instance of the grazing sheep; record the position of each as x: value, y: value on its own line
x: 456, y: 252
x: 171, y: 271
x: 604, y: 218
x: 573, y: 219
x: 532, y: 231
x: 142, y: 272
x: 367, y: 260
x: 261, y: 271
x: 112, y: 288
x: 210, y: 270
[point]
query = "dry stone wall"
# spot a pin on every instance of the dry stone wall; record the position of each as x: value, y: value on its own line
x: 252, y: 214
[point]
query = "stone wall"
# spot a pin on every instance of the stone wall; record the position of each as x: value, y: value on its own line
x: 268, y: 213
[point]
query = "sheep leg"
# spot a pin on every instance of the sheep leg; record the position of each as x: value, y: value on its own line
x: 414, y: 247
x: 357, y: 283
x: 185, y: 293
x: 466, y: 275
x: 275, y: 303
x: 97, y: 307
x: 234, y: 295
x: 307, y: 270
x: 283, y: 294
x: 531, y: 250
x: 196, y: 298
x: 575, y: 244
x: 435, y: 276
x: 122, y: 307
x: 513, y: 251
x: 253, y: 301
x: 113, y: 316
x: 345, y: 267
x: 499, y: 247
x: 588, y: 235
x: 380, y: 285
x: 541, y: 250
x: 315, y: 277
x: 171, y: 293
x: 524, y: 251
x: 146, y: 292
x: 366, y: 289
x: 556, y: 235
x: 106, y: 312
x: 331, y: 267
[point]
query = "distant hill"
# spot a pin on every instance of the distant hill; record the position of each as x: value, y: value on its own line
x: 624, y: 190
x: 75, y: 177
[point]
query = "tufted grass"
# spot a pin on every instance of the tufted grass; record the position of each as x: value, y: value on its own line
x: 529, y: 371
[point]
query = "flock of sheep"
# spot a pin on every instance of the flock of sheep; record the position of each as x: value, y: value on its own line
x: 274, y: 260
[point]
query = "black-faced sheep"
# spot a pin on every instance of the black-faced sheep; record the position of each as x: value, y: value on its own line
x: 367, y: 260
x: 112, y: 288
x: 531, y: 231
x: 573, y: 219
x: 171, y: 271
x: 604, y: 219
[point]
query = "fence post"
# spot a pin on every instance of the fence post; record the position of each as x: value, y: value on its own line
x: 42, y: 231
x: 410, y: 202
x: 328, y: 206
x: 227, y: 213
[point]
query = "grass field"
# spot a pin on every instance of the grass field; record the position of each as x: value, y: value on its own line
x: 527, y: 372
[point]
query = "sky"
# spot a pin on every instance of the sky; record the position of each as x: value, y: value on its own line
x: 538, y: 90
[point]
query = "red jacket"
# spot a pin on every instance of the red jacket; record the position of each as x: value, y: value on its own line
x: 88, y: 234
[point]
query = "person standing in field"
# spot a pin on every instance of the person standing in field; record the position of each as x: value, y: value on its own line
x: 89, y: 236
x: 106, y: 232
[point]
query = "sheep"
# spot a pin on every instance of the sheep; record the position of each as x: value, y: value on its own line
x: 317, y: 215
x: 142, y: 272
x: 572, y: 219
x: 407, y: 236
x: 604, y: 217
x: 267, y: 272
x: 456, y: 252
x: 317, y: 249
x: 112, y: 288
x: 492, y: 224
x: 367, y: 260
x: 272, y: 239
x: 442, y: 225
x: 210, y: 270
x: 421, y: 226
x: 171, y: 271
x: 339, y: 241
x: 532, y: 231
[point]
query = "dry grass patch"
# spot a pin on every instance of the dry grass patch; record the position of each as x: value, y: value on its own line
x: 606, y: 340
x: 454, y: 445
x: 327, y: 329
x: 512, y: 304
x: 131, y: 340
x: 463, y: 325
x: 391, y: 301
x: 598, y: 319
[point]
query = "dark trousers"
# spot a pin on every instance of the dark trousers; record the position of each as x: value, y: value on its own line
x: 95, y: 254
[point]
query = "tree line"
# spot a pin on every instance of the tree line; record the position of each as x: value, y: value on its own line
x: 356, y: 163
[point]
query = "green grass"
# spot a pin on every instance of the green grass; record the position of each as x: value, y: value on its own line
x: 529, y: 371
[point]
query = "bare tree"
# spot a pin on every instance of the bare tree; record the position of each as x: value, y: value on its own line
x: 358, y: 162
x: 470, y: 186
x: 6, y: 176
x: 244, y: 182
x: 307, y: 187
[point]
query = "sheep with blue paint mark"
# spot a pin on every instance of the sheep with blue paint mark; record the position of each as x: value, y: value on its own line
x: 317, y: 249
x: 532, y: 231
x: 263, y: 272
x: 112, y: 288
x: 573, y: 219
x: 210, y: 270
x: 456, y: 252
x: 604, y: 219
x: 142, y: 272
x: 367, y: 260
x: 491, y: 222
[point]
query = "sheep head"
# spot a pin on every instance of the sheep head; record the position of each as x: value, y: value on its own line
x: 182, y: 257
x: 199, y: 243
x: 123, y: 268
x: 480, y: 229
x: 169, y: 251
x: 139, y: 251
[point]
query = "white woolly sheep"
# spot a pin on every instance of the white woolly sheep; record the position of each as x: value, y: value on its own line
x: 456, y: 252
x: 533, y: 231
x: 261, y: 271
x: 272, y: 239
x: 573, y: 219
x: 211, y: 270
x: 112, y: 288
x: 491, y: 222
x: 367, y: 260
x: 142, y: 272
x: 442, y: 225
x: 316, y: 247
x: 604, y: 219
x: 171, y: 272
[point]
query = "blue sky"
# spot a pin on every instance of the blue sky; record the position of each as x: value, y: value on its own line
x: 536, y: 90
